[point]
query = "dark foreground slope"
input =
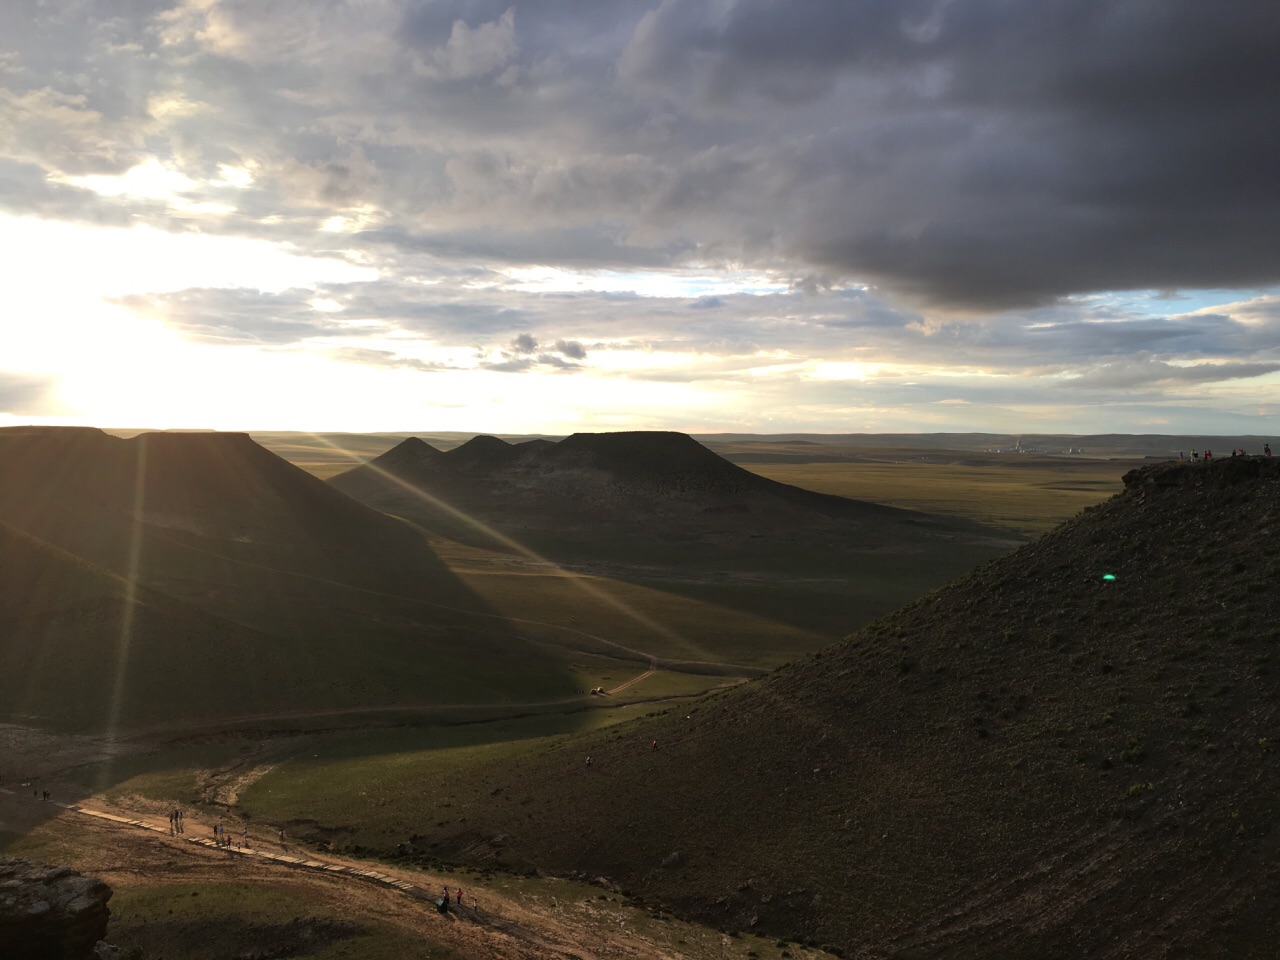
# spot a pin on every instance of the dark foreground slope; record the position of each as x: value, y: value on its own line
x: 1031, y: 762
x: 654, y: 481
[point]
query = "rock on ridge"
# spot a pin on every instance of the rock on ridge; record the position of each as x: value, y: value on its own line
x: 50, y: 913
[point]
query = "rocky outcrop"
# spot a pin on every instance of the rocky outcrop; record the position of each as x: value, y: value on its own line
x: 50, y: 913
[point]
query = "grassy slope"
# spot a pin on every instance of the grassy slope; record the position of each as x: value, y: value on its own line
x: 1028, y: 762
x: 331, y: 605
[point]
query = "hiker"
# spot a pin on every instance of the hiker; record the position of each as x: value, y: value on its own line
x: 588, y: 761
x: 655, y: 744
x: 1208, y: 455
x: 458, y: 897
x: 1266, y: 450
x: 282, y: 834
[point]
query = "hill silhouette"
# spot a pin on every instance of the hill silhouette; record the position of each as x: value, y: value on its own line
x: 89, y: 493
x: 637, y: 480
x: 323, y: 602
x: 1032, y: 761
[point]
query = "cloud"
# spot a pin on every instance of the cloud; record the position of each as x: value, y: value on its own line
x: 238, y: 316
x: 22, y: 394
x: 571, y: 349
x: 524, y: 343
x: 62, y: 132
x: 975, y: 156
x: 472, y: 52
x: 387, y: 359
x: 524, y: 353
x: 1144, y: 371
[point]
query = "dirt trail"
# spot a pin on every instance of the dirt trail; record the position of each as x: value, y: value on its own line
x: 495, y: 927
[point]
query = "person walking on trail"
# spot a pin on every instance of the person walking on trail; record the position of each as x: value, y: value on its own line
x: 1266, y: 450
x: 458, y: 897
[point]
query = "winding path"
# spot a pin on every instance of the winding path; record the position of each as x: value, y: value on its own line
x: 485, y: 918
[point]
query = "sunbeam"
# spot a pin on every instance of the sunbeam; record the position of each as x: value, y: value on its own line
x: 116, y: 704
x: 580, y: 582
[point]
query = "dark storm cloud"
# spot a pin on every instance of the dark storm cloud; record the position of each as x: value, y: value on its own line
x: 986, y: 154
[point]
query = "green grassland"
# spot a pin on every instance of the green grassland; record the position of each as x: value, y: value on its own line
x: 1024, y: 494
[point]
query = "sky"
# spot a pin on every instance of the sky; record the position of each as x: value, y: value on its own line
x: 762, y: 216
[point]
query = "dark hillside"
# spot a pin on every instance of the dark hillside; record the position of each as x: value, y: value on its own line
x: 186, y: 493
x: 1031, y: 762
x: 73, y: 638
x: 323, y: 602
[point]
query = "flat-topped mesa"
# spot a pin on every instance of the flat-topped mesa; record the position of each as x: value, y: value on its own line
x: 655, y: 480
x: 1219, y: 471
x: 664, y: 459
x: 63, y: 433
